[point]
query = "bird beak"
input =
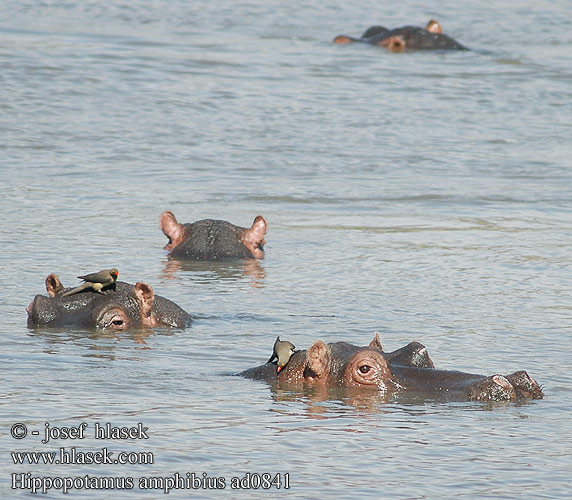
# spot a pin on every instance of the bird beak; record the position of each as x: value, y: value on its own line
x: 278, y: 369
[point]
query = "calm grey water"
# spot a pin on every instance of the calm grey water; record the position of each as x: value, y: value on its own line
x: 425, y: 196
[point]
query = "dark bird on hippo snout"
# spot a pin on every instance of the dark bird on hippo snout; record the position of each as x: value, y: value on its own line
x: 95, y: 281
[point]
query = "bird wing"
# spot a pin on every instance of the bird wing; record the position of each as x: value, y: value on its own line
x: 99, y: 277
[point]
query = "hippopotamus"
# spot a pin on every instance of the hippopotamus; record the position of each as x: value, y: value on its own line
x: 406, y: 38
x: 408, y: 370
x: 213, y: 239
x: 413, y: 354
x: 118, y: 308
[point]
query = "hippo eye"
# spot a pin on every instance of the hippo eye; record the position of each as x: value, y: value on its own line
x: 364, y: 369
x: 114, y: 318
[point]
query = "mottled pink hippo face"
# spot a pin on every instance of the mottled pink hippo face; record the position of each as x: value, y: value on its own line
x: 345, y: 365
x: 367, y: 368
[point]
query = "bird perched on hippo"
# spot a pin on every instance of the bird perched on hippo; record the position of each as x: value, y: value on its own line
x: 282, y: 353
x: 406, y: 38
x: 96, y: 281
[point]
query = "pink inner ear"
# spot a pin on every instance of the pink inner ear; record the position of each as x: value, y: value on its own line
x: 317, y: 358
x: 258, y: 230
x: 502, y: 381
x: 145, y: 296
x: 433, y: 26
x: 53, y: 285
x: 254, y: 237
x: 172, y: 229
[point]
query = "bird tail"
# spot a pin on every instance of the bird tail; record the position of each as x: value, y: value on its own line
x: 80, y: 288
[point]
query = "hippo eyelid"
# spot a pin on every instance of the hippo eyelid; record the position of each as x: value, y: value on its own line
x: 114, y: 322
x: 112, y: 318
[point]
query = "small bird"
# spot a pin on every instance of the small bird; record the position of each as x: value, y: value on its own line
x: 282, y: 352
x: 95, y: 281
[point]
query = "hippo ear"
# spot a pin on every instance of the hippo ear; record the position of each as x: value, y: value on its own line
x: 343, y: 39
x: 258, y: 230
x: 172, y: 229
x: 433, y: 26
x: 376, y: 342
x: 53, y: 285
x: 318, y: 360
x: 145, y: 296
x: 253, y: 238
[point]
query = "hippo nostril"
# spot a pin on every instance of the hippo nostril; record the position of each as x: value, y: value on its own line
x: 502, y: 382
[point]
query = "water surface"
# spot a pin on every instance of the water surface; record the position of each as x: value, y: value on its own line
x: 425, y: 196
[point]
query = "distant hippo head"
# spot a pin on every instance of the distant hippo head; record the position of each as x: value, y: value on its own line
x: 406, y: 38
x: 213, y: 239
x: 126, y: 306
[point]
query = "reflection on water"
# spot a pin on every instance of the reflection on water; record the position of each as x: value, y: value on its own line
x: 327, y: 401
x: 209, y: 271
x: 96, y: 339
x: 322, y: 402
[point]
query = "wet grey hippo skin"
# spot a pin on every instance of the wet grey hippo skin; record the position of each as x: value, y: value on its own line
x: 406, y: 38
x: 407, y: 370
x: 213, y: 239
x: 124, y: 306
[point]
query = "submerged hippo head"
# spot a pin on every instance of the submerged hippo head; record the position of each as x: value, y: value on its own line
x: 408, y: 370
x: 344, y: 364
x: 406, y: 38
x: 213, y: 239
x: 126, y: 306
